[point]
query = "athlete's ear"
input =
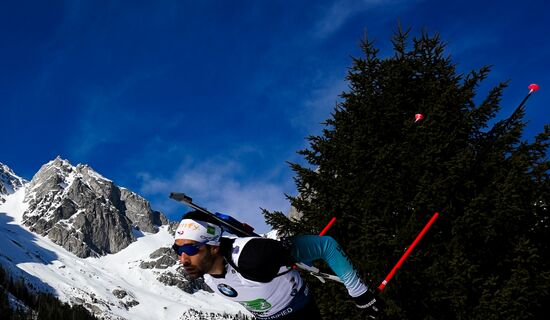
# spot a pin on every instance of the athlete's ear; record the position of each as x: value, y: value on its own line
x: 214, y: 249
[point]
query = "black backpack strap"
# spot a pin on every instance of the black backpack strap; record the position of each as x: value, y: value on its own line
x: 258, y: 259
x: 226, y: 249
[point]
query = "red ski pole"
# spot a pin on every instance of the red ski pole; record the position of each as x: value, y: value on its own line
x: 406, y: 254
x: 327, y: 226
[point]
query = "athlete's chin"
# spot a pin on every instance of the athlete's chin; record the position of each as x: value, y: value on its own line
x: 193, y: 273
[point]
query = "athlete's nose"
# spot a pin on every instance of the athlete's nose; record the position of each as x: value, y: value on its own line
x: 184, y: 259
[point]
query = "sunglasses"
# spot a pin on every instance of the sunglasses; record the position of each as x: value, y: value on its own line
x: 189, y: 249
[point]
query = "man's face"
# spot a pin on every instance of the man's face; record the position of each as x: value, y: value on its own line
x: 199, y: 264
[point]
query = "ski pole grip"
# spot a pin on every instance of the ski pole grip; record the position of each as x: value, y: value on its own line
x: 181, y: 197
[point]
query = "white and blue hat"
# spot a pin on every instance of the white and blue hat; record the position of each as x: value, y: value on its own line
x: 199, y: 231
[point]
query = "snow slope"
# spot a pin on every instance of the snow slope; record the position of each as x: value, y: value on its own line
x: 95, y: 281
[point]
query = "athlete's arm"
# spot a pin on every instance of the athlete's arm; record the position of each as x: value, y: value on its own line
x: 309, y: 248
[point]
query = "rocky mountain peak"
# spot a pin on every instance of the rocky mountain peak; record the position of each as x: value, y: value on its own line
x: 9, y: 182
x: 84, y: 212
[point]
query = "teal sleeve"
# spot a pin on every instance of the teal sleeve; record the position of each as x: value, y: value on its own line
x: 310, y: 248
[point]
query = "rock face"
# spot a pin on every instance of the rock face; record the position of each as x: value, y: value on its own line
x: 181, y: 280
x: 9, y: 182
x: 139, y: 211
x: 84, y: 212
x: 165, y: 258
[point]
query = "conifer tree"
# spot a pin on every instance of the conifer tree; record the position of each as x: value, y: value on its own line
x: 383, y: 175
x: 5, y: 308
x: 43, y: 306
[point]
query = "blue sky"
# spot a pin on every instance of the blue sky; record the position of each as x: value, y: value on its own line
x: 212, y: 98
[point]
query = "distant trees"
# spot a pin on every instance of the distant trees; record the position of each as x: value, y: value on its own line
x: 5, y: 309
x: 41, y: 306
x: 383, y: 175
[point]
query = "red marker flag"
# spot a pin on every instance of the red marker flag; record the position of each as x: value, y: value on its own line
x: 533, y: 87
x: 418, y: 117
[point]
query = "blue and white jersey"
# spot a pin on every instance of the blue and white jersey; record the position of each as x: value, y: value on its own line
x: 258, y: 276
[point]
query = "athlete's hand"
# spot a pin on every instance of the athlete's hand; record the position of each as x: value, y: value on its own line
x: 371, y: 303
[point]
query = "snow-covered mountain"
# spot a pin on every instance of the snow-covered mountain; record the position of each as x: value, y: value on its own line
x: 74, y: 233
x: 9, y: 182
x: 84, y: 212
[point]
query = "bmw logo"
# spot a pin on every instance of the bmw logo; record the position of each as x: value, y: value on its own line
x: 227, y: 290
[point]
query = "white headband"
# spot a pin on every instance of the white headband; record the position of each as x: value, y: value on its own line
x: 199, y: 231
